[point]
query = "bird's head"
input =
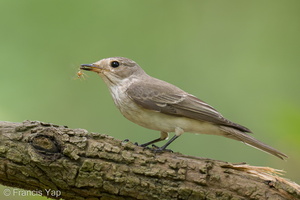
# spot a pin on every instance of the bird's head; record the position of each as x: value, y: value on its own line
x: 115, y: 69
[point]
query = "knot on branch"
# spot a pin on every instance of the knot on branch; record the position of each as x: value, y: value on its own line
x: 45, y: 144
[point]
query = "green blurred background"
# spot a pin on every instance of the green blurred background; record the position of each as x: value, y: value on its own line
x: 242, y: 57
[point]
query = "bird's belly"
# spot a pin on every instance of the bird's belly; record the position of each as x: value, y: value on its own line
x: 167, y: 123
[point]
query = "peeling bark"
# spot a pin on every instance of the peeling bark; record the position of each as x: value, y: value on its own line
x: 81, y: 165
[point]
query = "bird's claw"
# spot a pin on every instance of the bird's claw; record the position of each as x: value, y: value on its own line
x: 160, y: 149
x: 153, y: 147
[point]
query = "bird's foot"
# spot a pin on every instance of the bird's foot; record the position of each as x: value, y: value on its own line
x: 137, y: 144
x: 153, y: 147
x: 157, y: 149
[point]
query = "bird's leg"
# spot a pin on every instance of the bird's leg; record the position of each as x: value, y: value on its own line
x: 163, y: 136
x: 178, y: 132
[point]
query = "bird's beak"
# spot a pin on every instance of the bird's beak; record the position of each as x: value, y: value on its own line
x: 91, y: 67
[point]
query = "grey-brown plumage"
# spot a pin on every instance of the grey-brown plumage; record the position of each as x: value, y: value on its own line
x: 176, y: 102
x: 158, y: 105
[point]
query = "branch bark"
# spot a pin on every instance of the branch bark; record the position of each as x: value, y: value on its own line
x: 75, y: 164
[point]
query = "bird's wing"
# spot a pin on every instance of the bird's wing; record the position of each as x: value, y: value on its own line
x: 175, y: 101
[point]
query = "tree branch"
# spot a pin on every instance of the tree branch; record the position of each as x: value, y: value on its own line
x: 75, y: 164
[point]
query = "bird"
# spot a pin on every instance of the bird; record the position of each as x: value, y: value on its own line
x: 161, y: 106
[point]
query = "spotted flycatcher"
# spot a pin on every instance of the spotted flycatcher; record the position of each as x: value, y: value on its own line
x: 161, y: 106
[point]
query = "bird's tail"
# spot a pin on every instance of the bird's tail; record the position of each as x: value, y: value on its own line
x: 249, y: 140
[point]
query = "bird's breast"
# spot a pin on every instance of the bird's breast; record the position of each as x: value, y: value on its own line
x: 156, y: 120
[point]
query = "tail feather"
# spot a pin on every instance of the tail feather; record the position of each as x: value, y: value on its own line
x: 249, y: 140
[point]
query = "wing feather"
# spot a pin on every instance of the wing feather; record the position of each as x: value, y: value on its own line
x: 177, y: 102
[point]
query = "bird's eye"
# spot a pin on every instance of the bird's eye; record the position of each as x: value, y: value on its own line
x: 114, y: 64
